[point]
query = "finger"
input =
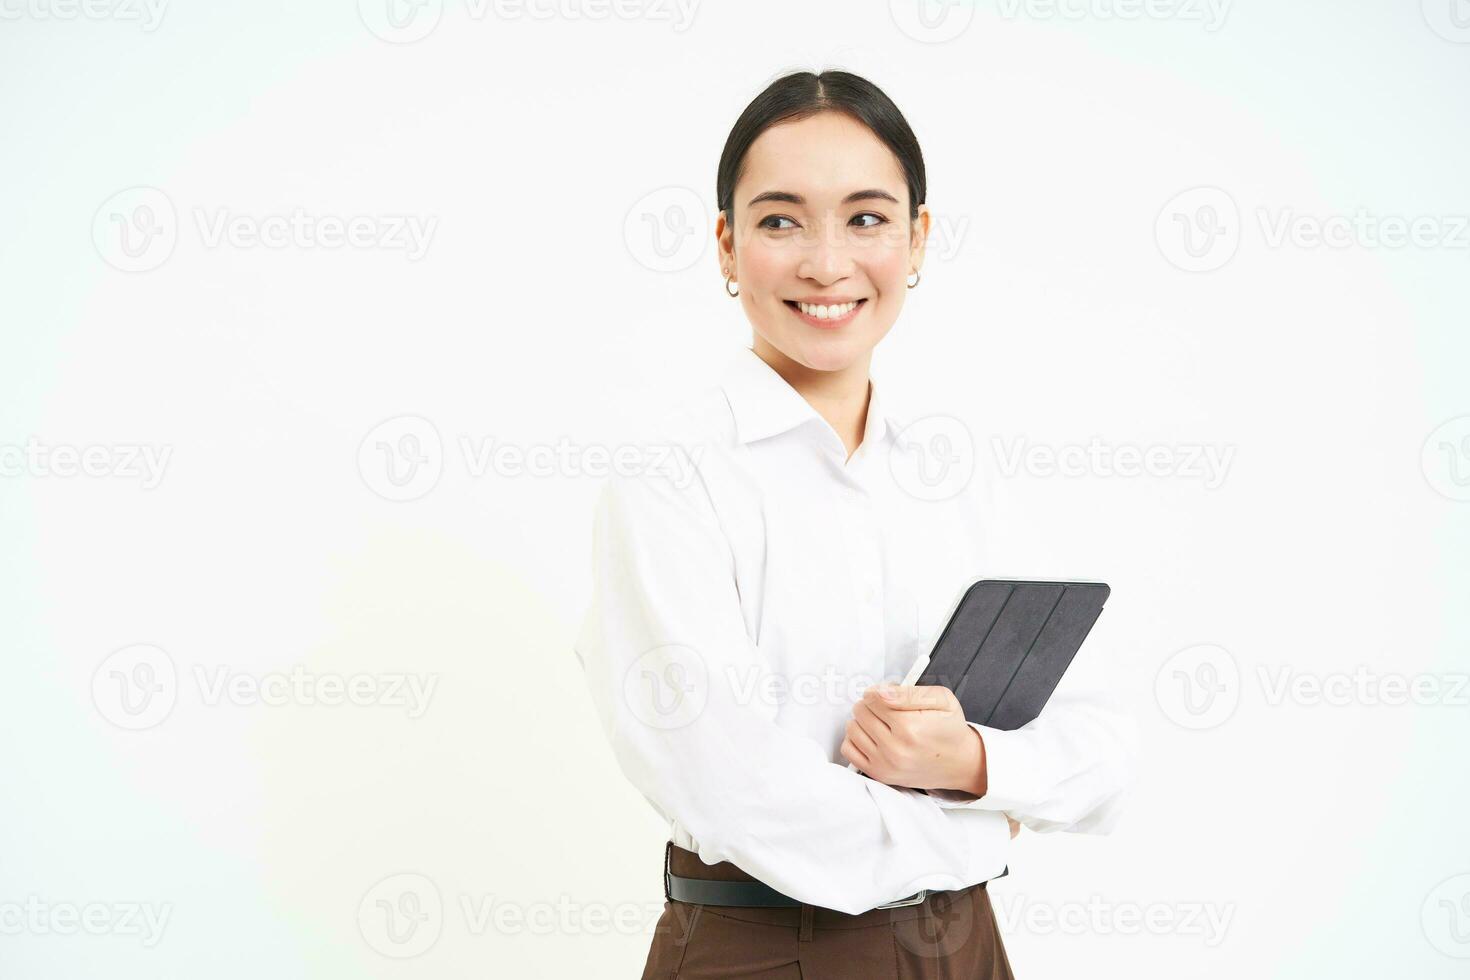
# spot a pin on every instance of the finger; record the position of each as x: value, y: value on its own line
x: 852, y: 754
x: 871, y: 723
x: 927, y: 697
x: 876, y: 702
x: 880, y: 709
x: 862, y: 741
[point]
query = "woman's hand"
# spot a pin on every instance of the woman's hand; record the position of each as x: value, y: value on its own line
x: 917, y: 737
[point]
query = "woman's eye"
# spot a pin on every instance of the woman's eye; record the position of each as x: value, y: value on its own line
x: 766, y: 222
x: 878, y: 219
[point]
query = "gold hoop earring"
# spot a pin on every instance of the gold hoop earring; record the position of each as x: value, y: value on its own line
x: 916, y: 279
x: 727, y: 285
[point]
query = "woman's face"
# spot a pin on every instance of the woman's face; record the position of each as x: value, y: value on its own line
x: 821, y: 217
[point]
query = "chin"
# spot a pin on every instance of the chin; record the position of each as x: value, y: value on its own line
x: 827, y: 353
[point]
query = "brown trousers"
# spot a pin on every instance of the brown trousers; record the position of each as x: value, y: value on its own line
x: 948, y: 935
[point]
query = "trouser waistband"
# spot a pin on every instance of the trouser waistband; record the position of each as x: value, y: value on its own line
x: 689, y: 880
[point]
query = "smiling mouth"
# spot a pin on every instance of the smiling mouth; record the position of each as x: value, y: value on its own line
x: 834, y: 315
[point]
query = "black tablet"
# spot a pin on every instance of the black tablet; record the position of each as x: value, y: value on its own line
x: 1008, y: 643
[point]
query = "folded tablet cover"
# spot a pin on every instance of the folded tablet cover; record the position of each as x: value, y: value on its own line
x: 1008, y: 644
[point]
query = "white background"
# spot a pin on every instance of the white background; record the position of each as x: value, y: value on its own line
x: 565, y: 165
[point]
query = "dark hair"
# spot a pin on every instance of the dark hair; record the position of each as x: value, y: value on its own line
x: 802, y: 94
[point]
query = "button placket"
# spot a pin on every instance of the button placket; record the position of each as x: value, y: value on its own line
x: 866, y: 569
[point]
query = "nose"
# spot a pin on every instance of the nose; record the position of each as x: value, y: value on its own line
x: 825, y: 257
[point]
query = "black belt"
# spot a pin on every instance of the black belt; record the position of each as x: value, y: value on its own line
x: 756, y: 894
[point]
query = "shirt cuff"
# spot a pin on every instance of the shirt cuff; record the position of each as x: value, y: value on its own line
x: 990, y: 844
x: 1008, y: 761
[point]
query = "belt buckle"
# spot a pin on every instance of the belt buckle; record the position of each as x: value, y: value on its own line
x: 913, y: 899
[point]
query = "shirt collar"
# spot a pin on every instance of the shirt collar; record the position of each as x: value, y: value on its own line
x: 764, y: 404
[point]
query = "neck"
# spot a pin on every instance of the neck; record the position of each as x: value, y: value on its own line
x: 840, y: 396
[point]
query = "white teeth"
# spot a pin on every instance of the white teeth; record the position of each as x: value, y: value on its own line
x: 827, y: 312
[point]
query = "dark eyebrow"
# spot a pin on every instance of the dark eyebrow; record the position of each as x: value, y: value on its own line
x: 871, y: 194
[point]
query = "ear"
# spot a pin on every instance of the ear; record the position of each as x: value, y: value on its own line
x: 919, y: 237
x: 725, y: 247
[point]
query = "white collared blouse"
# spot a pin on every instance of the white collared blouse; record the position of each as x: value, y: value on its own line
x: 747, y: 591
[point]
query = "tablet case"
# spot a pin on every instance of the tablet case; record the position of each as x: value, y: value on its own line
x: 1008, y: 643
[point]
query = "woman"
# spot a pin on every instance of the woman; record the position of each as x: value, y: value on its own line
x: 754, y: 595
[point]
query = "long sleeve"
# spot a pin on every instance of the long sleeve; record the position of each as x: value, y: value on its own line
x: 670, y: 665
x: 1069, y: 769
